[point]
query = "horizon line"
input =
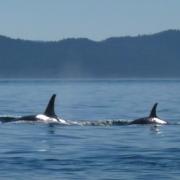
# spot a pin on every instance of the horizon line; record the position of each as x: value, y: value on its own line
x: 75, y: 38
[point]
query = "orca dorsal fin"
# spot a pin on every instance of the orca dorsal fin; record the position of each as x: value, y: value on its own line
x: 50, y: 107
x: 153, y: 111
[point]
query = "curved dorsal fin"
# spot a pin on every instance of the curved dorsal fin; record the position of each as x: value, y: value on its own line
x: 50, y: 107
x: 153, y: 111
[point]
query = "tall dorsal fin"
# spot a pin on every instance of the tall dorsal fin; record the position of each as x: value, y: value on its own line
x: 153, y: 111
x: 50, y: 107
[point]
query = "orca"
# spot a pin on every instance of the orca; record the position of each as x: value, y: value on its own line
x: 151, y: 119
x: 48, y: 116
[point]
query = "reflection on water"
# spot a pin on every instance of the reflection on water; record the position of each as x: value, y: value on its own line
x: 155, y: 129
x: 51, y: 128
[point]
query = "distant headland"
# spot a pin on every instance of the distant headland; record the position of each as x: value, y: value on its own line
x: 143, y: 56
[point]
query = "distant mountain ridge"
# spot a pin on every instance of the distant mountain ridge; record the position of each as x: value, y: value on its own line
x: 156, y: 55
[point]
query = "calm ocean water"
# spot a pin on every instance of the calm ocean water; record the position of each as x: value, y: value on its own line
x: 42, y: 151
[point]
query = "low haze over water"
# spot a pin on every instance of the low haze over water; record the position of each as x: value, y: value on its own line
x: 43, y: 151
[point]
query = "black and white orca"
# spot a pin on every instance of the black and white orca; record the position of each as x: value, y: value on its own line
x: 48, y: 116
x: 151, y: 119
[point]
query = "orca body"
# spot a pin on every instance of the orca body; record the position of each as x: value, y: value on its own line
x: 48, y: 116
x: 151, y: 119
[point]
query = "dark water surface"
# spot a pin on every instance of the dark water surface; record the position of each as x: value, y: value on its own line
x: 42, y: 151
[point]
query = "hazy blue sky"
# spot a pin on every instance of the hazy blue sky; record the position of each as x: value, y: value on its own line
x: 94, y: 19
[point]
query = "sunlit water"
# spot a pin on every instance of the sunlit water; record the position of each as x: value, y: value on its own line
x: 42, y: 151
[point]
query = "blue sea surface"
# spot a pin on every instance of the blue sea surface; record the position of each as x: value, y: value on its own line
x: 49, y: 151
